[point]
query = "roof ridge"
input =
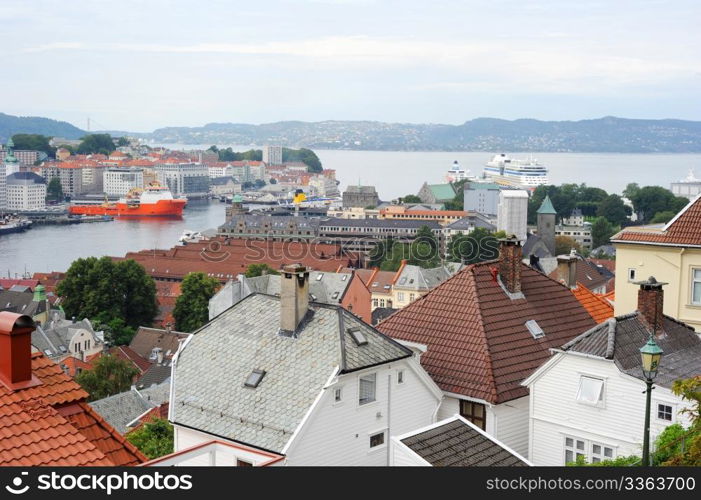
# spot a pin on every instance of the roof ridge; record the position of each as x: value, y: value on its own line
x: 483, y: 337
x: 113, y: 432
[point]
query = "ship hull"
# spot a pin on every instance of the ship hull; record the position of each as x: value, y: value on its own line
x: 163, y: 208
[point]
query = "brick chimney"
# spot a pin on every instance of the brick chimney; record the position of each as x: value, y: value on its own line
x: 294, y: 296
x: 567, y: 269
x: 16, y: 351
x: 651, y: 302
x: 510, y: 256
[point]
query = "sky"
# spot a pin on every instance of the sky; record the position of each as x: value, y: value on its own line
x: 138, y: 65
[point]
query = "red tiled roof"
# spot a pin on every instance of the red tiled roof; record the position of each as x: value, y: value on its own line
x: 74, y: 364
x: 50, y: 424
x: 597, y: 306
x: 683, y: 230
x: 128, y: 354
x: 7, y: 283
x: 478, y: 344
x: 160, y: 411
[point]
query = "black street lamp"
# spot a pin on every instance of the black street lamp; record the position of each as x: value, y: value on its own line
x: 650, y: 354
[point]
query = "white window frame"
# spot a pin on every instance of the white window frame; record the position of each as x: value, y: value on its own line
x: 587, y: 450
x: 374, y: 396
x: 371, y: 434
x: 693, y: 282
x: 602, y: 391
x: 337, y: 395
x: 656, y: 410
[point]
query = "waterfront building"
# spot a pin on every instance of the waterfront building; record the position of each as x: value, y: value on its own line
x: 69, y: 174
x: 481, y: 197
x: 360, y: 197
x: 3, y: 188
x: 324, y: 186
x: 184, y: 179
x: 402, y: 212
x: 220, y: 170
x: 689, y: 187
x: 270, y: 227
x: 224, y: 186
x: 119, y: 181
x: 272, y: 155
x: 512, y: 213
x: 25, y: 191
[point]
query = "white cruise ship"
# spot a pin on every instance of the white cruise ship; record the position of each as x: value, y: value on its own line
x: 457, y: 173
x: 527, y: 174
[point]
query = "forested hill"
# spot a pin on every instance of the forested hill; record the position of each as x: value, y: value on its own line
x: 11, y: 125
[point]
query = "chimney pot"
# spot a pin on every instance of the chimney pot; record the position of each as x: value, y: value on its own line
x: 510, y: 256
x: 651, y: 302
x: 567, y: 269
x: 294, y: 296
x: 16, y: 351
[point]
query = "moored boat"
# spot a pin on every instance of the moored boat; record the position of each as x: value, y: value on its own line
x: 152, y: 201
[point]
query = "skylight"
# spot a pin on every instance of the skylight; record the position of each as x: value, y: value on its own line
x: 335, y: 295
x: 535, y: 329
x: 47, y: 352
x: 357, y: 336
x: 254, y: 378
x: 321, y: 275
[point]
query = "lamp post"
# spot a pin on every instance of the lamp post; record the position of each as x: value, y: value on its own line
x: 650, y: 354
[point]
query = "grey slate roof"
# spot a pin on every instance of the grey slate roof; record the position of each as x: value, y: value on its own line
x: 272, y: 221
x: 325, y: 288
x: 20, y: 303
x: 121, y: 409
x: 157, y: 374
x: 472, y: 221
x: 59, y: 332
x: 457, y: 444
x: 381, y: 223
x: 417, y: 278
x: 211, y: 369
x: 621, y: 338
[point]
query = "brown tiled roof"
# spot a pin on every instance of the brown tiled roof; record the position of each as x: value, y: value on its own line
x: 683, y: 230
x: 478, y: 344
x: 587, y: 274
x: 597, y: 306
x: 50, y: 424
x: 147, y: 338
x: 127, y: 354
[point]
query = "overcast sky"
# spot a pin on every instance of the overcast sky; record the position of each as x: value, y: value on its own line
x: 139, y: 65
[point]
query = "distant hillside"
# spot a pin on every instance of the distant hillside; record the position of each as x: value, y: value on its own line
x: 11, y: 125
x: 608, y: 134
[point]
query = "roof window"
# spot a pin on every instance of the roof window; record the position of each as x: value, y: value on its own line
x: 254, y: 378
x: 535, y: 329
x: 357, y: 336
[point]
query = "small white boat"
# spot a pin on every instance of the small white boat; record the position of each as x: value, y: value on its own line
x: 191, y: 236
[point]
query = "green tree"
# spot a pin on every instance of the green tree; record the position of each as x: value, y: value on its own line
x: 650, y: 200
x: 259, y: 183
x: 105, y: 290
x: 614, y: 210
x: 663, y: 217
x: 304, y: 155
x: 117, y: 332
x: 624, y: 461
x: 192, y: 307
x: 254, y: 270
x: 109, y: 375
x: 410, y: 198
x: 564, y: 244
x: 122, y: 141
x: 685, y: 445
x: 213, y: 149
x: 631, y: 190
x: 96, y: 143
x: 601, y: 231
x: 154, y: 439
x: 54, y: 190
x: 34, y: 142
x: 478, y: 246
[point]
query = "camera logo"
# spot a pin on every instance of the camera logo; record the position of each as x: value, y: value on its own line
x: 17, y: 483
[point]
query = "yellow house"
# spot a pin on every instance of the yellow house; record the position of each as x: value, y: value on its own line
x: 671, y: 254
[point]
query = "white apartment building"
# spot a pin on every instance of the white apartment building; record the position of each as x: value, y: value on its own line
x: 25, y: 191
x: 272, y: 155
x: 220, y: 171
x: 512, y: 213
x: 3, y: 194
x: 188, y: 179
x: 119, y: 181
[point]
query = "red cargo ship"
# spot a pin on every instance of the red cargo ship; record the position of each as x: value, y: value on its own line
x: 152, y: 201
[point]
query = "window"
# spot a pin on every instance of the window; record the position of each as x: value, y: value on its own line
x: 574, y: 448
x: 631, y: 274
x: 366, y: 389
x: 400, y: 377
x: 664, y: 412
x: 474, y: 412
x: 600, y: 452
x: 591, y: 390
x: 696, y: 286
x: 337, y: 394
x: 374, y: 303
x: 377, y: 439
x: 254, y: 378
x: 411, y: 297
x: 535, y: 329
x: 243, y: 463
x: 400, y: 296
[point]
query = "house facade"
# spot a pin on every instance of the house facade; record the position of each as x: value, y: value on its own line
x: 588, y: 400
x: 317, y: 385
x: 672, y: 252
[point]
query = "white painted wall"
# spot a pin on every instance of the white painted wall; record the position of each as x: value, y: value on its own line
x: 401, y: 456
x: 508, y: 422
x: 339, y: 433
x: 618, y: 422
x: 224, y: 456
